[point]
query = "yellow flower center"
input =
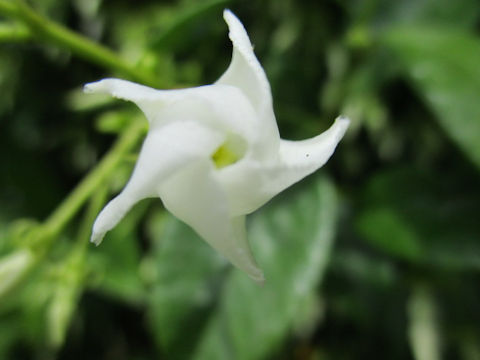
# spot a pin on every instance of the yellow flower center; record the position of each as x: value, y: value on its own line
x: 224, y: 156
x: 232, y: 150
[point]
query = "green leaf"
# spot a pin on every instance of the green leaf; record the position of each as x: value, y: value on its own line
x: 409, y: 214
x: 385, y: 230
x: 186, y: 274
x: 197, y: 307
x: 443, y: 67
x: 292, y: 240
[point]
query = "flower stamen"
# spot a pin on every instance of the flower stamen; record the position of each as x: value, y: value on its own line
x: 224, y: 156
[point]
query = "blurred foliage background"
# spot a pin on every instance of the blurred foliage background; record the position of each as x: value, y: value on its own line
x: 377, y: 255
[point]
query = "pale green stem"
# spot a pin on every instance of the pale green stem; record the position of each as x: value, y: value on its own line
x: 70, y: 285
x: 72, y: 276
x: 49, y: 230
x: 69, y: 207
x: 40, y: 27
x: 43, y: 27
x: 14, y: 33
x: 54, y: 33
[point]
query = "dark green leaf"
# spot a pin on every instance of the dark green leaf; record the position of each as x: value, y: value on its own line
x: 443, y: 67
x: 186, y: 276
x: 387, y: 231
x: 409, y: 214
x: 292, y: 239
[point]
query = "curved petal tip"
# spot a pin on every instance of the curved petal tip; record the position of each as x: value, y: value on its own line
x: 237, y: 32
x: 341, y: 123
x: 343, y: 120
x: 229, y: 16
x: 97, y: 86
x: 97, y: 238
x: 258, y: 278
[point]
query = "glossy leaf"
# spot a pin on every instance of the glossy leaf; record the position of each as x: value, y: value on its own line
x: 198, y: 307
x: 293, y: 238
x: 408, y: 214
x: 443, y: 67
x: 186, y: 275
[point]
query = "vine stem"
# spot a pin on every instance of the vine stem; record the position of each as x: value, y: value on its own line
x: 47, y: 232
x: 40, y: 26
x: 32, y: 25
x: 15, y: 33
x: 61, y: 36
x: 69, y: 207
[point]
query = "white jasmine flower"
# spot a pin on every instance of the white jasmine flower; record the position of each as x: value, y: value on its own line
x: 213, y: 153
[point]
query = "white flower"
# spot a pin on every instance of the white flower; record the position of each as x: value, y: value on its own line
x: 213, y: 153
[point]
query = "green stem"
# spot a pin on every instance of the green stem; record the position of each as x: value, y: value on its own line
x: 68, y: 208
x: 40, y: 27
x: 47, y: 233
x: 45, y: 29
x: 72, y: 275
x: 9, y: 33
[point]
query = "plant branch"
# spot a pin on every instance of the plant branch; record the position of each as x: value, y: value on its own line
x: 68, y: 208
x: 14, y: 33
x: 61, y: 36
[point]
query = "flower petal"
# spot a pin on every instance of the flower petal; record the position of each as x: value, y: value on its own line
x: 165, y: 151
x: 194, y: 196
x: 246, y: 185
x: 301, y: 158
x: 222, y: 107
x: 254, y: 180
x: 249, y: 183
x: 147, y: 99
x: 246, y: 73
